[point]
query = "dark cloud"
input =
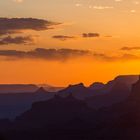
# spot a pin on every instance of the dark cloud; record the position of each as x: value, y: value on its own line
x: 130, y: 48
x: 14, y: 25
x: 86, y: 35
x: 47, y: 54
x: 16, y: 40
x: 63, y: 55
x: 63, y: 37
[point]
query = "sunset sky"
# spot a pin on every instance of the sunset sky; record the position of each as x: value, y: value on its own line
x: 61, y: 42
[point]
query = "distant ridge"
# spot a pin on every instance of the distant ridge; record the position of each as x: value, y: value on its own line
x: 41, y: 90
x: 50, y: 88
x: 23, y: 88
x: 17, y: 88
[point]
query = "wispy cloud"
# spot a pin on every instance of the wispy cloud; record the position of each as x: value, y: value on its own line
x: 16, y: 40
x: 102, y: 7
x: 130, y: 48
x: 18, y: 1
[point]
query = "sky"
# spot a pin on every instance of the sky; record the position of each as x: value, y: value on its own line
x: 62, y: 42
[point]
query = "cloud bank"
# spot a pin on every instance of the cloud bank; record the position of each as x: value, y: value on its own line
x: 63, y: 55
x: 46, y: 54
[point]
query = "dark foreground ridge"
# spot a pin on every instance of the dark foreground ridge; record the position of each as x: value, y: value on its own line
x: 70, y: 118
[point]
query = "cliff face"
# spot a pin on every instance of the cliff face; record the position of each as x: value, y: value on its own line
x: 54, y: 111
x: 135, y: 93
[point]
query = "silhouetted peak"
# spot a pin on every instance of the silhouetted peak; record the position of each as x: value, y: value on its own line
x: 126, y: 78
x: 41, y: 90
x: 79, y: 91
x: 80, y: 85
x: 50, y: 88
x: 97, y: 85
